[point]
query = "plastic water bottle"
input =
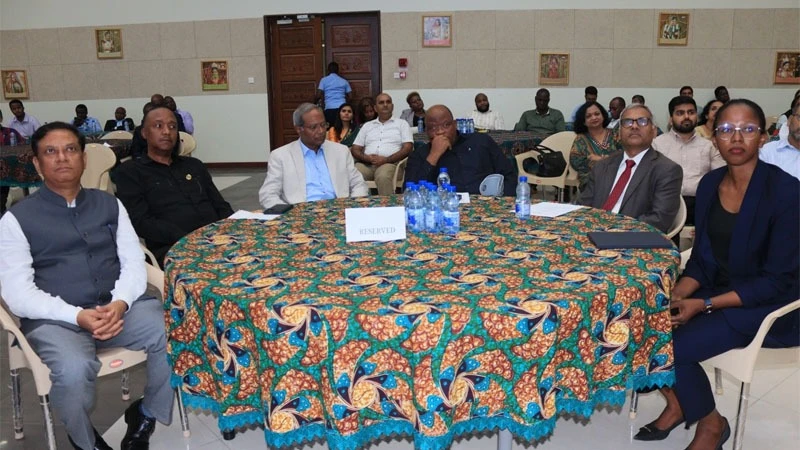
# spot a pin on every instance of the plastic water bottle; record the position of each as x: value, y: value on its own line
x: 471, y: 126
x: 406, y: 195
x: 522, y: 206
x: 420, y: 126
x: 451, y: 219
x: 12, y: 139
x: 442, y: 179
x: 415, y: 210
x: 433, y: 212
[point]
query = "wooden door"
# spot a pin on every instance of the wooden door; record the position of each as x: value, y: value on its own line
x: 353, y: 41
x: 295, y: 68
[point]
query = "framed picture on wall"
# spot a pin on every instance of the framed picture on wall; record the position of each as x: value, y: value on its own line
x: 554, y: 68
x: 214, y: 75
x: 109, y: 43
x: 787, y: 67
x: 15, y: 83
x: 437, y: 31
x: 673, y: 28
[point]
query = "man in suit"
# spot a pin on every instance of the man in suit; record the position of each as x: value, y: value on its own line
x: 120, y: 121
x: 640, y: 182
x: 310, y: 168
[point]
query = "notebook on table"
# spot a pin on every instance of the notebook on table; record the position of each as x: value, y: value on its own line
x: 629, y: 239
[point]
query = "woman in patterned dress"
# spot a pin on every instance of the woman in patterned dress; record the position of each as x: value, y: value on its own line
x: 593, y: 141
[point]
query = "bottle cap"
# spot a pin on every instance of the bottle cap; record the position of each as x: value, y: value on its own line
x: 443, y: 170
x: 523, y: 178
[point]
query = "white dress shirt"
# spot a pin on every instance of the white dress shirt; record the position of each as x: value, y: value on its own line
x: 782, y: 154
x: 490, y: 120
x: 26, y: 127
x: 622, y: 165
x: 697, y: 157
x: 384, y: 138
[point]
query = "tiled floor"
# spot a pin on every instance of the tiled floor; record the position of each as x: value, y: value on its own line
x: 773, y: 418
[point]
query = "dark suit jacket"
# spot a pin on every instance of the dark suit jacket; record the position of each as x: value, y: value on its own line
x: 764, y: 253
x: 111, y: 125
x: 653, y: 194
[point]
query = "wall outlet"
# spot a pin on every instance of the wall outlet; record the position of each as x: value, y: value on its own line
x: 397, y: 75
x: 251, y: 80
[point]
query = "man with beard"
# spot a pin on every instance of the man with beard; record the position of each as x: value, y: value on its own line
x: 484, y: 117
x: 785, y: 153
x: 697, y: 156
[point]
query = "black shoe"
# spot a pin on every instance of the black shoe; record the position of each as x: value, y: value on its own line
x: 726, y: 434
x: 649, y: 432
x: 140, y: 428
x: 99, y: 443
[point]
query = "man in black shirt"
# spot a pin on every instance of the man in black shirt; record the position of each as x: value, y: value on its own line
x: 167, y: 196
x: 469, y: 158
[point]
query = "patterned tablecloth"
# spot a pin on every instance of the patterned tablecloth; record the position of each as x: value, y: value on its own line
x: 505, y: 325
x: 16, y: 167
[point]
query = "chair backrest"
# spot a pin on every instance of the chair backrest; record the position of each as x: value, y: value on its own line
x: 771, y: 120
x: 20, y: 352
x: 119, y: 134
x: 561, y: 142
x: 99, y: 160
x: 679, y: 221
x: 188, y: 144
x: 400, y: 173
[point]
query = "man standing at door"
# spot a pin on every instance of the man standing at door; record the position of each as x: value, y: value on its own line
x: 335, y: 90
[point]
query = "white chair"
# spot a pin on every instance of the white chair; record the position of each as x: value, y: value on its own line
x: 679, y: 221
x: 118, y: 134
x: 561, y: 142
x: 99, y: 160
x: 188, y: 143
x: 22, y: 356
x: 399, y: 176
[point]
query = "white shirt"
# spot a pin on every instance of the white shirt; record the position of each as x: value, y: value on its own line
x: 25, y: 299
x: 613, y: 123
x: 384, y: 138
x: 697, y: 157
x: 782, y: 154
x: 26, y: 127
x: 622, y: 165
x: 490, y: 120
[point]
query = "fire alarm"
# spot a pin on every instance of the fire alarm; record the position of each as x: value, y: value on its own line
x: 403, y: 75
x: 402, y: 62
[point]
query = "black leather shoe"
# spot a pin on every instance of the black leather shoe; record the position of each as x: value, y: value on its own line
x: 726, y: 434
x: 649, y: 432
x: 99, y: 443
x: 140, y: 428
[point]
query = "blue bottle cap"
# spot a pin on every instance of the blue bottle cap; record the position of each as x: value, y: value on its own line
x: 523, y: 178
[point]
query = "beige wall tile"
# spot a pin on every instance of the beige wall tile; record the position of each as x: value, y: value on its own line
x: 474, y: 30
x: 437, y: 68
x: 631, y: 67
x: 13, y: 48
x: 787, y: 29
x: 515, y: 68
x: 710, y: 68
x: 80, y: 82
x: 147, y: 78
x: 241, y: 69
x: 591, y: 67
x: 141, y: 42
x: 177, y: 40
x: 594, y: 28
x: 182, y: 77
x: 515, y: 29
x: 77, y: 45
x: 555, y: 29
x: 711, y: 28
x: 46, y: 83
x: 634, y: 28
x: 212, y: 38
x: 401, y: 31
x: 752, y: 28
x: 247, y: 37
x: 43, y: 46
x: 389, y: 65
x: 476, y: 69
x: 752, y: 74
x: 113, y: 79
x: 671, y: 66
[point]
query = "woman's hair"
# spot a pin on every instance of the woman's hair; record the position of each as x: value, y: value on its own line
x: 411, y: 95
x: 707, y: 109
x: 338, y: 124
x: 580, y: 117
x: 362, y: 104
x: 762, y: 119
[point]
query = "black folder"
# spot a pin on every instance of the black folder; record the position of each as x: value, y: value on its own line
x: 629, y: 239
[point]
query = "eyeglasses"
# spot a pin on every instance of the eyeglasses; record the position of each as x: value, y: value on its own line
x: 726, y: 131
x: 315, y: 127
x: 441, y: 126
x: 641, y: 121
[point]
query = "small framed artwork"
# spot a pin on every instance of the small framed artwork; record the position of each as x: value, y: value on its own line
x: 109, y: 43
x: 15, y: 83
x: 437, y: 31
x: 214, y: 75
x: 673, y: 28
x: 787, y: 67
x: 554, y: 68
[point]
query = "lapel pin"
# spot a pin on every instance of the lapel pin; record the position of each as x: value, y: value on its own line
x: 189, y: 176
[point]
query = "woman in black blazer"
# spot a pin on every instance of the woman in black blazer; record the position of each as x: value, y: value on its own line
x: 744, y: 265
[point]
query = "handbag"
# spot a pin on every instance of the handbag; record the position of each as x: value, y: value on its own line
x: 549, y: 162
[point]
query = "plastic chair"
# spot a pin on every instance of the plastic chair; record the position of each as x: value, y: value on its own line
x: 99, y: 160
x: 399, y: 176
x: 561, y: 142
x: 188, y: 144
x: 21, y: 355
x: 118, y: 134
x: 679, y: 221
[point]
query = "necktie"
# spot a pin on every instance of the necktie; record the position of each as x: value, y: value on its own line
x: 620, y: 186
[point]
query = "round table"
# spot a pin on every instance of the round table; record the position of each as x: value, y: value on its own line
x: 502, y: 326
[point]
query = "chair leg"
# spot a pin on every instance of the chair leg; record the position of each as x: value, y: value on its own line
x: 741, y: 416
x: 50, y: 433
x: 126, y: 391
x: 16, y: 405
x: 182, y: 414
x: 634, y: 404
x: 718, y: 380
x: 504, y: 440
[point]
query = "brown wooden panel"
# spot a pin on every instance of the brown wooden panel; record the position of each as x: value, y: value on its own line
x: 353, y: 40
x: 296, y: 92
x: 350, y: 35
x: 286, y: 119
x: 361, y: 88
x: 293, y: 65
x: 301, y: 36
x: 353, y: 63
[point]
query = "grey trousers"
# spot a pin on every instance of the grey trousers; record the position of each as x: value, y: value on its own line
x: 72, y: 360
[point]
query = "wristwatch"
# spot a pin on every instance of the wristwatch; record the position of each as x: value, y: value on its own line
x: 707, y: 306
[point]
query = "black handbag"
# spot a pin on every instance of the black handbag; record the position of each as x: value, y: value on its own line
x: 549, y: 162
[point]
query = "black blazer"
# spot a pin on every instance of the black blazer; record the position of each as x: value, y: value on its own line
x: 111, y: 125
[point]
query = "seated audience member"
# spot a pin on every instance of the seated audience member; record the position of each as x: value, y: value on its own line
x: 333, y: 90
x: 310, y: 168
x: 593, y: 141
x: 78, y: 288
x: 25, y: 124
x: 87, y: 126
x: 184, y: 118
x: 686, y: 91
x: 167, y: 195
x: 8, y: 136
x: 638, y: 182
x: 705, y: 124
x: 415, y: 112
x: 366, y: 111
x: 484, y: 117
x: 783, y: 118
x: 695, y: 155
x: 637, y: 99
x: 157, y: 99
x: 543, y: 120
x: 615, y: 107
x: 169, y: 103
x: 785, y: 153
x: 381, y: 144
x: 744, y: 265
x: 589, y: 95
x: 721, y: 94
x: 344, y: 130
x: 120, y: 122
x: 468, y: 158
x: 138, y: 143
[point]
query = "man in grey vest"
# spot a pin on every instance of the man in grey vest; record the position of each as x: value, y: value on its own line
x: 71, y: 268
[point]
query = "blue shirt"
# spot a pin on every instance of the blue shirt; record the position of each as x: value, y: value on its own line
x: 334, y: 87
x: 90, y: 127
x: 318, y: 180
x: 782, y: 154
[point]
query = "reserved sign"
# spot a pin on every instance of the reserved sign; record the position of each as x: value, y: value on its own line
x: 375, y: 224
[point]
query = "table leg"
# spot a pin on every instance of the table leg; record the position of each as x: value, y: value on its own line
x: 504, y: 440
x: 26, y: 192
x: 228, y: 435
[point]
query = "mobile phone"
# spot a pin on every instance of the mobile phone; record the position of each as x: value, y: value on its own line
x: 278, y: 209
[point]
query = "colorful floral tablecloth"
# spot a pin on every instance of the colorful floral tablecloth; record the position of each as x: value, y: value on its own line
x: 16, y: 167
x: 505, y: 325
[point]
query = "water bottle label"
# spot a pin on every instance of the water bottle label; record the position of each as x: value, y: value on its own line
x: 451, y: 222
x: 416, y: 220
x: 430, y: 220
